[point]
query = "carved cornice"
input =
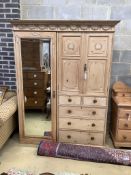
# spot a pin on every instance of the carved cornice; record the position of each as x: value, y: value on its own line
x: 30, y: 25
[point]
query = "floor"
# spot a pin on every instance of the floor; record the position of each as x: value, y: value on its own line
x: 21, y: 156
x: 37, y: 123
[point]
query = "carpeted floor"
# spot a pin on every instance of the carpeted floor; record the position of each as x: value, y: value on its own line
x: 20, y: 156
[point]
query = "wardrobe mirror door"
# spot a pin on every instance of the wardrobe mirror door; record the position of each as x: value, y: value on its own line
x: 36, y: 69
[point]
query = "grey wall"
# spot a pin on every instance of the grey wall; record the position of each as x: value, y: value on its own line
x: 9, y: 9
x: 96, y: 10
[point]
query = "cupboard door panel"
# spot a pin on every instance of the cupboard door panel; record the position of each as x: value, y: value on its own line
x: 70, y: 75
x: 96, y: 81
x: 71, y: 46
x: 98, y: 46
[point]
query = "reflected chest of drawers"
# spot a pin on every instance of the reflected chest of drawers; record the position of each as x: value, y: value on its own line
x: 34, y: 89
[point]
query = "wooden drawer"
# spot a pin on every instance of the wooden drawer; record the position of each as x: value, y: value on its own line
x: 94, y: 101
x: 81, y: 137
x: 124, y: 113
x: 29, y: 92
x: 33, y: 75
x: 36, y: 75
x: 124, y: 124
x: 33, y: 83
x: 81, y: 124
x: 69, y: 100
x: 34, y: 102
x: 91, y: 113
x: 124, y: 135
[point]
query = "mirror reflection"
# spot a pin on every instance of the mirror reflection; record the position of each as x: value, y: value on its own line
x: 37, y: 86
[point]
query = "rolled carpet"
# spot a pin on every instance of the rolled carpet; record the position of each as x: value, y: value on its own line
x: 86, y: 153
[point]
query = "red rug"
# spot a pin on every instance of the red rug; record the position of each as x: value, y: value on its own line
x: 86, y: 153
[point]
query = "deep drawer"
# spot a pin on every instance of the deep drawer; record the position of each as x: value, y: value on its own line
x: 124, y: 124
x: 124, y: 135
x: 81, y: 124
x: 82, y: 112
x: 81, y: 137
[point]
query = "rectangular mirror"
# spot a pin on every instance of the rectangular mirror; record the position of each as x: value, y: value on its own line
x: 36, y: 67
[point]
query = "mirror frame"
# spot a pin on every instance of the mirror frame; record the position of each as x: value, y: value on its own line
x: 19, y: 76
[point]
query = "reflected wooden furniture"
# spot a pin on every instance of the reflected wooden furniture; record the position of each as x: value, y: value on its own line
x: 80, y: 86
x: 121, y: 115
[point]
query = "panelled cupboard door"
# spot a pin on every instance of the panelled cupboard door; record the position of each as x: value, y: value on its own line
x: 70, y: 50
x: 84, y: 63
x: 97, y: 64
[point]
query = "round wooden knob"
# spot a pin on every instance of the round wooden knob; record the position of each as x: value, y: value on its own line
x: 92, y: 138
x: 69, y: 100
x: 35, y: 83
x: 35, y: 75
x: 69, y: 111
x: 36, y: 102
x: 35, y: 92
x: 93, y: 124
x: 69, y: 137
x: 124, y: 137
x: 94, y: 112
x: 94, y: 101
x: 126, y: 125
x: 69, y: 123
x: 127, y: 114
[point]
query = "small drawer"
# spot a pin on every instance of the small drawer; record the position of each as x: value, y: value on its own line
x: 90, y: 113
x: 34, y: 102
x: 36, y: 75
x: 124, y: 135
x: 29, y: 92
x: 33, y: 84
x: 81, y: 124
x: 69, y: 100
x: 124, y: 124
x: 94, y: 101
x: 81, y: 137
x: 124, y: 113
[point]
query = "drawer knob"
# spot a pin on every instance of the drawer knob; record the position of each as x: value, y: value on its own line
x: 93, y: 124
x: 92, y: 138
x: 94, y: 101
x: 35, y: 92
x: 36, y: 102
x: 35, y: 83
x: 124, y: 137
x: 69, y: 111
x: 69, y: 100
x: 94, y: 112
x: 69, y: 123
x: 35, y: 75
x: 126, y: 125
x: 68, y: 136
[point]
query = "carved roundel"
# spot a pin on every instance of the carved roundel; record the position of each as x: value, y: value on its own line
x: 71, y: 45
x: 98, y: 46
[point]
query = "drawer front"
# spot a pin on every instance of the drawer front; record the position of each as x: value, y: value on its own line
x: 33, y: 83
x: 35, y: 75
x: 124, y: 136
x: 69, y: 100
x: 81, y: 124
x: 29, y: 92
x: 81, y: 137
x: 91, y: 113
x: 124, y: 113
x: 34, y: 102
x: 124, y: 124
x: 94, y: 101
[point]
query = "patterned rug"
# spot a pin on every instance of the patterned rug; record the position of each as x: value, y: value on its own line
x: 85, y: 153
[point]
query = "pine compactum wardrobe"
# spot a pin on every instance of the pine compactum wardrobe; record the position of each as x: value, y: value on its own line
x: 80, y: 55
